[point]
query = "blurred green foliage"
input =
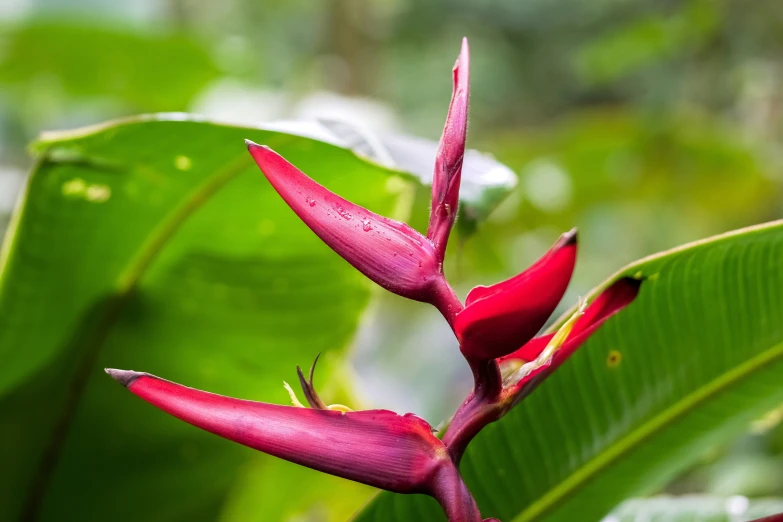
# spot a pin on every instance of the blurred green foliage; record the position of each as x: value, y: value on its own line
x: 144, y: 71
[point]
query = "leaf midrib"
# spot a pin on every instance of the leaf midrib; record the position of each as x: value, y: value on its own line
x: 580, y: 477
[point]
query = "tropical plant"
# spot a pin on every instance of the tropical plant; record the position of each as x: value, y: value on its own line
x: 701, y: 332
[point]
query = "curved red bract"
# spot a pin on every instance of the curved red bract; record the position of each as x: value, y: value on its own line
x: 376, y: 447
x: 498, y: 319
x: 388, y: 252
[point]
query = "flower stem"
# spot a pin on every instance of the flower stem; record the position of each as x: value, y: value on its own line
x: 446, y: 301
x: 471, y: 417
x: 454, y: 496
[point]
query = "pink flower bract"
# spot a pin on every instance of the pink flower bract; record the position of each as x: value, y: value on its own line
x: 376, y: 447
x: 500, y: 318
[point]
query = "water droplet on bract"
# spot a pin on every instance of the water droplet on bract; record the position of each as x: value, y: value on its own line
x: 366, y: 226
x: 310, y: 201
x: 394, y: 255
x: 343, y: 213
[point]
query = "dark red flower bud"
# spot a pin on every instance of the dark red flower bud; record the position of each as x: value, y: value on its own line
x: 388, y: 252
x: 498, y: 319
x: 375, y: 447
x: 448, y: 162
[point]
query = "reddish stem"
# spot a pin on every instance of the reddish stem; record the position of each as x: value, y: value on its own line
x: 487, y: 381
x: 483, y: 406
x: 446, y: 301
x: 454, y: 496
x: 471, y: 417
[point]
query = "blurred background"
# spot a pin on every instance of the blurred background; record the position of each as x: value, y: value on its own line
x: 646, y: 123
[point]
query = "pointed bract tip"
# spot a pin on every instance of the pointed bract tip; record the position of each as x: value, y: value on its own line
x: 253, y: 145
x: 124, y: 377
x: 635, y: 282
x: 463, y: 59
x: 570, y: 237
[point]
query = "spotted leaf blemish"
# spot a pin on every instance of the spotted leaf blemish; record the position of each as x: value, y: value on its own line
x: 98, y: 193
x: 77, y: 188
x: 183, y: 163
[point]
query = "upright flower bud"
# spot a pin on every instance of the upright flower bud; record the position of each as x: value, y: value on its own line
x: 375, y: 447
x: 448, y: 162
x: 500, y: 318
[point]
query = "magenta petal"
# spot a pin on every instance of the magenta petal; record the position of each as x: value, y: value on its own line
x: 500, y: 318
x: 375, y: 447
x: 451, y: 151
x: 388, y: 252
x: 616, y: 297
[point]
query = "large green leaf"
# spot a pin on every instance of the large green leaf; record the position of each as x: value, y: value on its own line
x: 695, y: 508
x: 155, y: 244
x: 697, y: 356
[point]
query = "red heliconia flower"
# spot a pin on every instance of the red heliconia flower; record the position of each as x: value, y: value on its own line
x: 390, y: 253
x: 500, y: 318
x: 495, y: 329
x: 376, y: 447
